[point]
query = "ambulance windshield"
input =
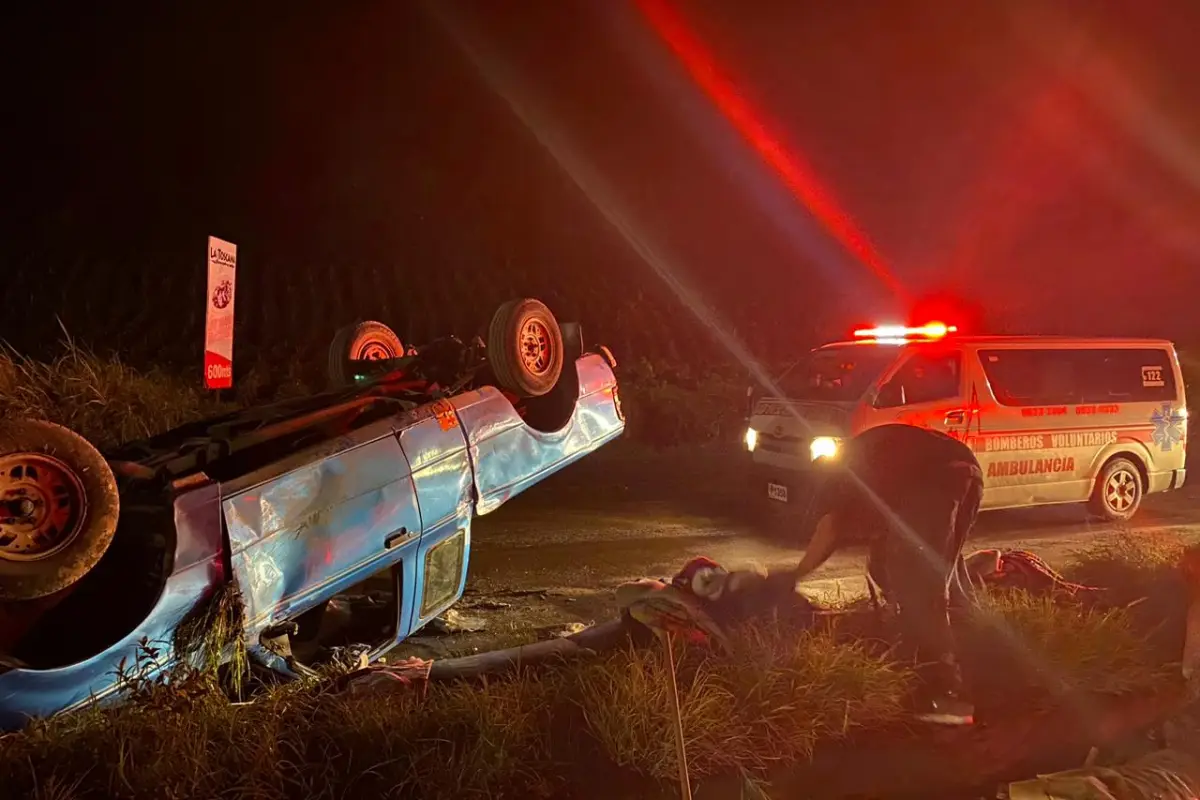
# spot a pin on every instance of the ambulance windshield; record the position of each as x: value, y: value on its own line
x: 840, y: 374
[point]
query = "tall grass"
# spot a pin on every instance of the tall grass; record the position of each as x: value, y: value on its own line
x: 777, y: 696
x: 102, y: 398
x: 769, y: 701
x: 1064, y: 648
x: 110, y: 402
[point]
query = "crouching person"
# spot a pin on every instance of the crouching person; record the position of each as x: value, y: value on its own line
x: 914, y: 493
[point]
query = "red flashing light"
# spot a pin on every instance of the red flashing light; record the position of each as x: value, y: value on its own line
x: 932, y: 330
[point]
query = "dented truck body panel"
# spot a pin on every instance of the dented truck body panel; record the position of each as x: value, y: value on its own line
x: 510, y: 456
x: 198, y: 567
x: 398, y: 493
x: 317, y: 530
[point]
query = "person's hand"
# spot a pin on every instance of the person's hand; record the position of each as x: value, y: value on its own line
x: 824, y: 543
x: 740, y: 580
x: 781, y: 582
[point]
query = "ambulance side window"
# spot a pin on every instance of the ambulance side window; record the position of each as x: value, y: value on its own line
x: 1032, y: 377
x: 1063, y: 376
x: 1130, y: 375
x: 924, y: 378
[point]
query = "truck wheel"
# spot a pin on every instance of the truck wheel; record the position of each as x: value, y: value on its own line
x: 1118, y: 492
x: 525, y: 347
x: 362, y: 341
x: 58, y: 508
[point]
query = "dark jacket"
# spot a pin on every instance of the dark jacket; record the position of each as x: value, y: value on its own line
x: 901, y: 467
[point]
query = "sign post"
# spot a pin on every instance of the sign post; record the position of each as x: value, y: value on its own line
x: 218, y: 321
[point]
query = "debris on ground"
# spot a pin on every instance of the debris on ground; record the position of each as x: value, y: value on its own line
x: 387, y: 677
x: 488, y: 605
x: 540, y: 593
x: 1162, y: 775
x: 350, y: 655
x: 560, y: 630
x: 454, y: 621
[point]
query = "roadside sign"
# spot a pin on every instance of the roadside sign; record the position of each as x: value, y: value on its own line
x: 218, y: 321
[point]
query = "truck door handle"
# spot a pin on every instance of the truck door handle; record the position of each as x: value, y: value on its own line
x: 955, y: 417
x: 398, y: 538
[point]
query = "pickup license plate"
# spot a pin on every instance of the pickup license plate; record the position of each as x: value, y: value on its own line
x: 777, y: 491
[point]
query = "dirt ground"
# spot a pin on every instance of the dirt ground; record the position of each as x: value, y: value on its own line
x: 549, y: 560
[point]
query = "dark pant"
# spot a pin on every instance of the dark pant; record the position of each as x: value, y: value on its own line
x: 918, y: 565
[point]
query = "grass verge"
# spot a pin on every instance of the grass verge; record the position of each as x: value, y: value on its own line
x: 1139, y: 572
x: 770, y: 700
x: 779, y: 696
x: 1059, y: 648
x: 110, y: 402
x: 103, y: 399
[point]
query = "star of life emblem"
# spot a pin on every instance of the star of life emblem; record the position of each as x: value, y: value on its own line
x: 1168, y: 427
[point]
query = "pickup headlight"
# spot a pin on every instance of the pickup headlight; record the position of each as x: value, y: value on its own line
x: 751, y: 439
x: 824, y: 447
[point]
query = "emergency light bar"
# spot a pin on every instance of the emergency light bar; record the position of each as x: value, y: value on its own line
x: 934, y: 330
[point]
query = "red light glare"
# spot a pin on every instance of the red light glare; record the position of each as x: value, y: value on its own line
x: 931, y: 330
x: 967, y: 315
x: 795, y: 172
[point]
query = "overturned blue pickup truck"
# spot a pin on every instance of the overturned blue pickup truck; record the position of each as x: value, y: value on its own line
x: 102, y: 556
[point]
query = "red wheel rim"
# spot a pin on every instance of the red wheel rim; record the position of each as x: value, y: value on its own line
x: 373, y: 351
x: 536, y: 349
x: 42, y: 506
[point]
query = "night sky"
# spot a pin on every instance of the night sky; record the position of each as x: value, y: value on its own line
x: 1031, y: 158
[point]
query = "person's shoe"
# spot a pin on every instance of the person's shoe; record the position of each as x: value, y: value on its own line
x: 944, y: 709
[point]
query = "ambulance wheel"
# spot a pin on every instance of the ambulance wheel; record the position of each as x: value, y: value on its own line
x: 525, y: 347
x: 58, y: 508
x: 1118, y: 492
x: 362, y: 341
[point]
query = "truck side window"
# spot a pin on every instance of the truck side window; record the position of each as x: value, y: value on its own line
x: 924, y: 378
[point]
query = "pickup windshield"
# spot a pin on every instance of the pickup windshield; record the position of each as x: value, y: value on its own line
x: 839, y: 374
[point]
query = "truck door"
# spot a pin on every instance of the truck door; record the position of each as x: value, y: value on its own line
x: 435, y: 445
x: 318, y: 521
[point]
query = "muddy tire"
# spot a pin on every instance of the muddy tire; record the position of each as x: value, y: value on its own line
x: 525, y: 347
x: 1118, y: 492
x: 362, y: 341
x: 58, y: 508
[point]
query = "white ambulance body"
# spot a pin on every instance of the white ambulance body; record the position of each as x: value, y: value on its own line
x: 1051, y: 419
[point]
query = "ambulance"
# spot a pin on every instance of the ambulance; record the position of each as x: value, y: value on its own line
x: 1051, y: 419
